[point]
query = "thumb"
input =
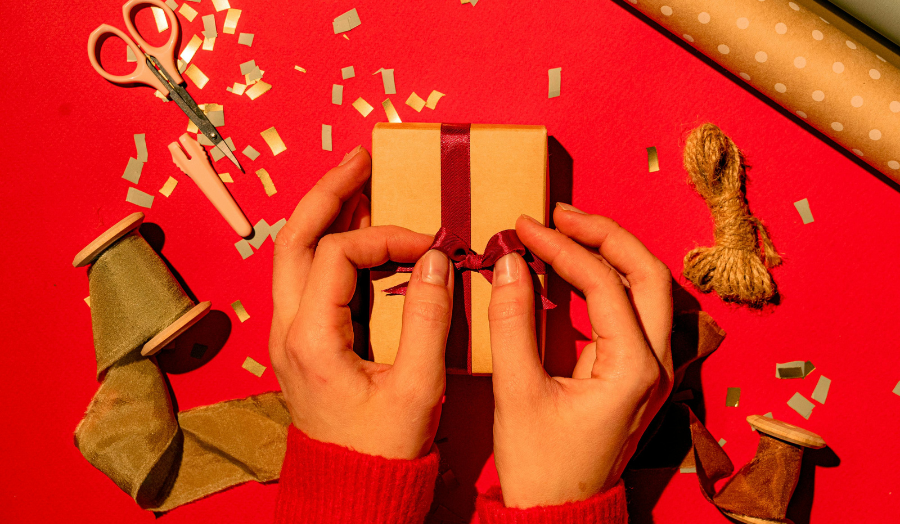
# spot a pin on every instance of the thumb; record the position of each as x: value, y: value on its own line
x: 427, y: 311
x: 514, y: 350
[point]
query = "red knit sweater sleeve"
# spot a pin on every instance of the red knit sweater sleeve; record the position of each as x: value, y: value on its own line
x: 604, y: 508
x: 326, y: 483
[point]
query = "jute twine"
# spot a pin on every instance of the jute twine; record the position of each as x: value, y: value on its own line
x: 737, y: 267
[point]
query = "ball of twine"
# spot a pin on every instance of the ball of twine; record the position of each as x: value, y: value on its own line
x: 737, y: 267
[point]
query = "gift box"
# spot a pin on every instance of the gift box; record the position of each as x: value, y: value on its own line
x: 473, y: 181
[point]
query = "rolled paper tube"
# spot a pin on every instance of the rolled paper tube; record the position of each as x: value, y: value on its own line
x: 802, y: 63
x: 881, y: 15
x: 130, y: 431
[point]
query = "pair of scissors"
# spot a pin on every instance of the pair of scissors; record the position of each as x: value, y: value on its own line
x: 158, y: 70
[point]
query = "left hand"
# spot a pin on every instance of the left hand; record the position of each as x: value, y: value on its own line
x: 332, y: 394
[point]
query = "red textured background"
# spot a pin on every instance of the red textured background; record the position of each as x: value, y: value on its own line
x: 67, y: 136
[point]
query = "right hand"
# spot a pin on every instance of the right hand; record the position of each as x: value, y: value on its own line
x: 560, y: 439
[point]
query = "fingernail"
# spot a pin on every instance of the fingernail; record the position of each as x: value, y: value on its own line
x: 569, y: 207
x: 506, y: 270
x: 526, y: 217
x: 350, y: 155
x: 436, y: 268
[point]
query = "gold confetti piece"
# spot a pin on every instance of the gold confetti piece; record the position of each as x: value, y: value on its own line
x: 653, y: 159
x: 129, y: 55
x: 87, y: 300
x: 203, y: 140
x: 248, y: 66
x: 555, y: 77
x: 139, y: 198
x: 298, y: 68
x: 216, y: 153
x: 722, y: 442
x: 337, y: 94
x: 348, y: 72
x: 140, y: 145
x: 260, y: 234
x: 160, y: 16
x: 254, y: 367
x: 250, y: 153
x: 801, y: 405
x: 220, y: 5
x: 196, y: 75
x: 821, y: 392
x: 182, y: 65
x: 690, y: 469
x: 243, y: 248
x: 387, y: 78
x: 191, y: 49
x: 231, y: 21
x: 209, y: 26
x: 346, y: 37
x: 208, y: 43
x: 415, y: 101
x: 216, y: 118
x: 275, y: 142
x: 769, y: 414
x: 433, y: 99
x: 161, y: 96
x: 390, y: 111
x: 238, y: 89
x: 188, y: 12
x: 230, y: 143
x: 240, y: 311
x: 173, y: 5
x: 363, y: 107
x: 276, y: 227
x: 803, y: 208
x: 133, y: 170
x: 168, y: 187
x: 733, y: 398
x: 258, y: 89
x: 326, y: 134
x: 246, y: 39
x: 346, y: 21
x: 226, y: 177
x: 796, y: 369
x: 192, y: 127
x: 253, y: 76
x: 266, y: 182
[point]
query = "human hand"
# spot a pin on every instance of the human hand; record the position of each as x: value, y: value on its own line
x: 333, y: 395
x: 565, y: 439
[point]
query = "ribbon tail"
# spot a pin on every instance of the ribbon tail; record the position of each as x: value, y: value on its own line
x: 399, y: 289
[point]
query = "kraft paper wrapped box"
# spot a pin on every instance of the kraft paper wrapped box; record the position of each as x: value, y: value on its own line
x: 508, y: 177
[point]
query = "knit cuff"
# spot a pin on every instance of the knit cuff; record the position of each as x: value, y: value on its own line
x: 603, y: 508
x: 328, y: 483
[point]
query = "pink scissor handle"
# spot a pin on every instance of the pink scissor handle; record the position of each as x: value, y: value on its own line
x: 166, y: 53
x: 141, y: 73
x: 203, y: 174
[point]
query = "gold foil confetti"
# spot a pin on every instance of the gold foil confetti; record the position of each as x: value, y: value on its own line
x: 348, y: 72
x: 803, y: 208
x: 554, y: 76
x: 220, y: 5
x: 240, y: 311
x: 275, y: 142
x: 160, y: 16
x: 208, y: 43
x: 203, y: 141
x: 254, y: 367
x: 722, y: 442
x: 387, y: 78
x: 209, y: 26
x: 196, y: 75
x: 216, y: 118
x: 129, y: 55
x: 337, y: 94
x: 801, y: 405
x: 346, y: 21
x: 363, y: 107
x: 139, y: 198
x: 238, y: 89
x: 260, y: 234
x: 226, y: 177
x: 192, y: 127
x: 246, y: 39
x: 87, y: 300
x: 415, y: 101
x: 796, y: 369
x: 230, y: 143
x: 248, y: 67
x: 231, y: 21
x: 733, y: 398
x: 266, y: 182
x: 433, y: 99
x: 346, y: 37
x: 182, y: 65
x: 326, y: 135
x: 298, y: 68
x: 168, y: 187
x: 897, y: 389
x: 191, y: 49
x: 173, y: 5
x: 258, y: 89
x: 652, y: 159
x: 276, y: 227
x: 188, y: 12
x: 821, y: 392
x: 390, y: 111
x: 140, y: 145
x: 244, y: 249
x: 250, y: 153
x: 161, y: 96
x: 133, y: 170
x: 769, y: 414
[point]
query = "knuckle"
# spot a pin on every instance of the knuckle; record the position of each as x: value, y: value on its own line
x: 507, y: 314
x: 429, y: 312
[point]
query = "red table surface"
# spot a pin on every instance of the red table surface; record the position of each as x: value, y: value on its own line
x: 626, y: 85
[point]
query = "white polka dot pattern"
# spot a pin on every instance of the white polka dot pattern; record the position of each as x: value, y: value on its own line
x: 810, y: 67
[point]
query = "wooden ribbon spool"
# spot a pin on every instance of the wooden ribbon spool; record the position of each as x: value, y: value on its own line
x: 152, y: 272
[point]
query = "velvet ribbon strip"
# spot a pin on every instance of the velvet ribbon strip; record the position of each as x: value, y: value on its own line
x: 130, y: 431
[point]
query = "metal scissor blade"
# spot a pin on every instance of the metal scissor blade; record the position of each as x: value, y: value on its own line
x: 223, y: 147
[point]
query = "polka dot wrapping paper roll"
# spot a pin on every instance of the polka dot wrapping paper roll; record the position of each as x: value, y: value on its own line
x: 803, y: 63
